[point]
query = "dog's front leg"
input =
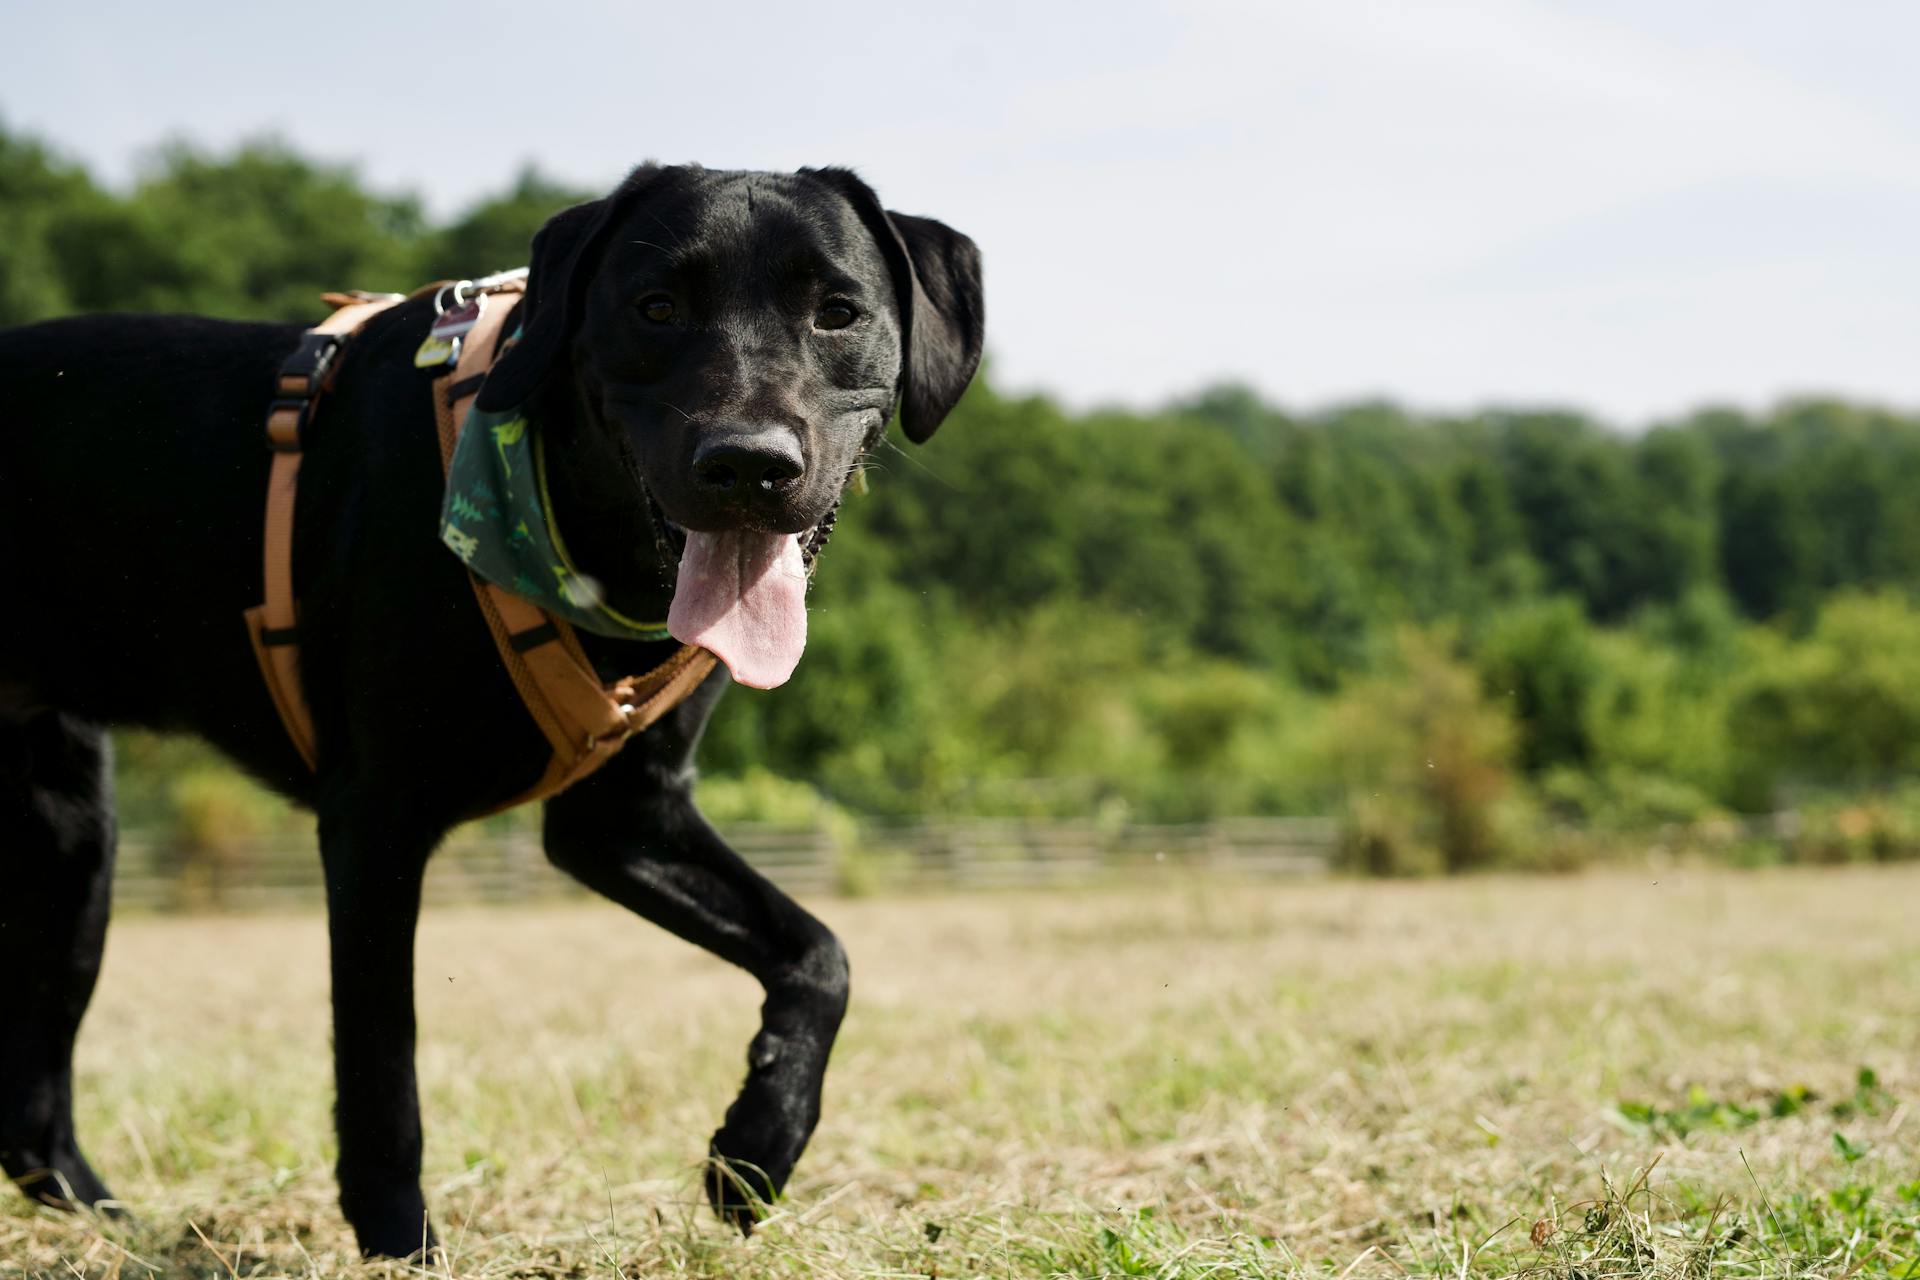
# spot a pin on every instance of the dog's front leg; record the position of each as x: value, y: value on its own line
x: 375, y: 856
x: 631, y: 833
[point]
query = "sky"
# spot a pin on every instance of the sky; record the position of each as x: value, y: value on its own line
x: 1629, y: 207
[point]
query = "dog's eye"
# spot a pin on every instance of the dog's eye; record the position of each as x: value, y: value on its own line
x: 835, y: 315
x: 658, y: 309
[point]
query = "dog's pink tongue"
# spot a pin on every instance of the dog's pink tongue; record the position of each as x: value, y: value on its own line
x: 743, y: 596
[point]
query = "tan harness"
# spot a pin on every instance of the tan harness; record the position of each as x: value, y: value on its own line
x: 584, y: 721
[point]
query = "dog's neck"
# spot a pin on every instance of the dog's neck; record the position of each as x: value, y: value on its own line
x: 600, y: 505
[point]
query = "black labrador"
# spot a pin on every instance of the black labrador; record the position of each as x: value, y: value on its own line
x: 707, y: 354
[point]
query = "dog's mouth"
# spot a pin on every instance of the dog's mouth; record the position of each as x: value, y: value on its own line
x: 670, y: 539
x: 742, y: 593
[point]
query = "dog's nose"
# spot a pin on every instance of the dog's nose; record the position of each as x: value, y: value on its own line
x: 744, y: 465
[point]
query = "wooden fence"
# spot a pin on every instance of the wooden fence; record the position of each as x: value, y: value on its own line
x: 969, y: 854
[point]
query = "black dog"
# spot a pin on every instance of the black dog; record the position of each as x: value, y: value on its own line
x: 706, y: 353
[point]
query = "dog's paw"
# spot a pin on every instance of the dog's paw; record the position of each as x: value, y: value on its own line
x: 414, y: 1246
x: 739, y: 1190
x: 765, y: 1131
x: 392, y: 1230
x: 72, y: 1188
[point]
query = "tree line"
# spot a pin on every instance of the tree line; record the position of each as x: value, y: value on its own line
x: 1460, y: 632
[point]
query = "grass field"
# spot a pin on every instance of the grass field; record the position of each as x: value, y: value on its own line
x: 1673, y: 1073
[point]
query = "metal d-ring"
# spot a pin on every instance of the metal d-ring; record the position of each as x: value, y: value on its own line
x: 445, y: 290
x: 461, y: 292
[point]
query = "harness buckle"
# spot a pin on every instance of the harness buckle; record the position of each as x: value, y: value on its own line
x: 301, y: 377
x: 303, y: 372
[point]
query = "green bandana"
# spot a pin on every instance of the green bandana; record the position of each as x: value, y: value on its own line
x: 495, y: 518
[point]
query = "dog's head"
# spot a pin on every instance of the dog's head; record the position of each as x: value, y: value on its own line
x: 733, y: 343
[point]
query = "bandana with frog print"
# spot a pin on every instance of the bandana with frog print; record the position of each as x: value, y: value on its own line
x: 496, y: 517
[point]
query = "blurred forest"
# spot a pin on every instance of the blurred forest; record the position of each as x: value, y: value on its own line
x: 1482, y: 639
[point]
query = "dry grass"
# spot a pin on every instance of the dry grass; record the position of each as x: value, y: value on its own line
x: 1184, y: 1081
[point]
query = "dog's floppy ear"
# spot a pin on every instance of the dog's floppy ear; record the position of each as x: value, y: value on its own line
x: 564, y: 252
x: 936, y: 276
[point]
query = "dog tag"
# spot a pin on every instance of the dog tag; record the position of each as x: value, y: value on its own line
x: 442, y: 346
x: 436, y: 351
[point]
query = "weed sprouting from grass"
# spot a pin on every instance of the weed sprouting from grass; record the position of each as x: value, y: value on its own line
x: 1868, y: 1098
x: 1701, y: 1111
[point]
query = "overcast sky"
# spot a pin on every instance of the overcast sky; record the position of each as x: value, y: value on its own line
x: 1630, y: 206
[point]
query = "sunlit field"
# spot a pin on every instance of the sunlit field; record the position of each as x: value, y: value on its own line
x: 1665, y: 1073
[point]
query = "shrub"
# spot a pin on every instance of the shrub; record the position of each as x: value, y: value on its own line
x: 1839, y: 709
x: 1424, y: 761
x: 1538, y: 661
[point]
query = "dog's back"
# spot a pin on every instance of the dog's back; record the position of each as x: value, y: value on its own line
x: 132, y: 475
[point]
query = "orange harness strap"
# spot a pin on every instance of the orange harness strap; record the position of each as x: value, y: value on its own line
x: 584, y: 721
x: 274, y: 626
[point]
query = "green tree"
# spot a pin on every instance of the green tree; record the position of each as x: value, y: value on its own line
x: 257, y: 234
x: 1841, y: 708
x: 39, y: 195
x: 1537, y: 660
